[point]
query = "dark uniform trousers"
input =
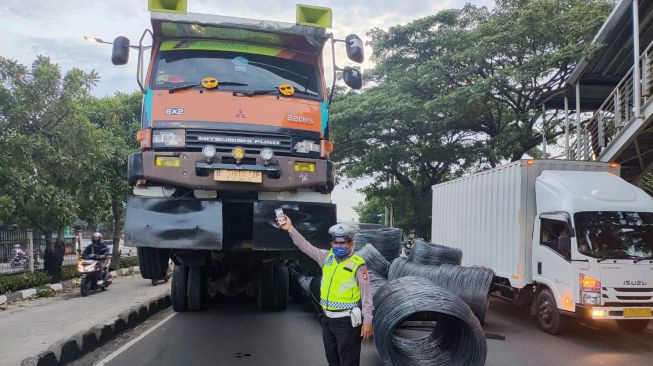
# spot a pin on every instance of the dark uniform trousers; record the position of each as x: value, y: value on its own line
x: 342, y: 342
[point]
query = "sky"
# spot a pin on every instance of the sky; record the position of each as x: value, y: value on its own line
x: 55, y: 28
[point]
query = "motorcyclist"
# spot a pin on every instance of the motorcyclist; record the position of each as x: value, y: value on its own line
x: 18, y: 251
x: 96, y: 248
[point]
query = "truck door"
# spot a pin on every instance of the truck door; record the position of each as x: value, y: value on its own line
x: 552, y: 260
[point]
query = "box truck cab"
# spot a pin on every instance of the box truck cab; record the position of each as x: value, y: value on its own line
x: 566, y: 238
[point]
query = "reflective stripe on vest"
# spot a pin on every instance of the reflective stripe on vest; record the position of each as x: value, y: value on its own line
x: 339, y: 289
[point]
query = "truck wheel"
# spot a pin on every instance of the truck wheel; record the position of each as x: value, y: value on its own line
x: 153, y: 262
x: 178, y: 288
x: 195, y: 293
x: 280, y: 287
x: 265, y: 298
x: 548, y: 316
x: 633, y: 325
x: 294, y: 288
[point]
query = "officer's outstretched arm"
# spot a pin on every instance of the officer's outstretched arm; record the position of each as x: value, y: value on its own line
x: 317, y: 254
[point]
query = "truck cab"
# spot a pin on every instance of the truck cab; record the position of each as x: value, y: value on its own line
x: 593, y: 247
x: 234, y: 125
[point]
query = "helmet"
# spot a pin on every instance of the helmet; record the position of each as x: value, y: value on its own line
x: 343, y: 233
x: 96, y: 236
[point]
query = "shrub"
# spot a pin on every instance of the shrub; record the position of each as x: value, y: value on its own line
x: 24, y: 280
x: 21, y: 281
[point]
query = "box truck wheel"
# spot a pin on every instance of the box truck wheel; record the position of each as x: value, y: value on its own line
x: 179, y: 287
x: 280, y: 287
x: 195, y: 291
x: 548, y: 316
x: 633, y: 325
x: 153, y: 262
x: 265, y: 297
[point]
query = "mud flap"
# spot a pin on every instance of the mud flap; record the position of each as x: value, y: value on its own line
x: 311, y: 219
x: 173, y: 223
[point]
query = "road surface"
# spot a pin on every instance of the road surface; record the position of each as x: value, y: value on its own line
x: 239, y: 334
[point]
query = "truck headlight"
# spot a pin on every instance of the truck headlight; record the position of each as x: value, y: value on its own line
x: 168, y: 138
x: 591, y: 298
x: 307, y: 146
x: 267, y: 154
x: 209, y: 151
x: 590, y: 290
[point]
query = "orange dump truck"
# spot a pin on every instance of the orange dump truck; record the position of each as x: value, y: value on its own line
x: 234, y: 125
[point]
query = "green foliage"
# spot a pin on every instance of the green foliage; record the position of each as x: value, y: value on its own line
x: 458, y: 91
x: 68, y: 273
x: 22, y: 281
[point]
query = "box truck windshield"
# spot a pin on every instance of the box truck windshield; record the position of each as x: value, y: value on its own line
x: 180, y: 64
x: 615, y: 235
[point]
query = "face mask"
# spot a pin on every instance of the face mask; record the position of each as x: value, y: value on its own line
x: 340, y: 252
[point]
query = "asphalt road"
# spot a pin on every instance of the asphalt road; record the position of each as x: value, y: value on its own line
x: 239, y: 334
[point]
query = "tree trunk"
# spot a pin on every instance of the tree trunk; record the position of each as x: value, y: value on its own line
x: 116, y: 209
x: 53, y: 256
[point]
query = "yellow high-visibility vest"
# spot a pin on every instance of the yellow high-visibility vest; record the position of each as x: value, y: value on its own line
x: 339, y: 289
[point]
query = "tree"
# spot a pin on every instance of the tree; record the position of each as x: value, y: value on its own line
x: 456, y: 92
x: 119, y: 116
x: 51, y: 149
x: 485, y: 70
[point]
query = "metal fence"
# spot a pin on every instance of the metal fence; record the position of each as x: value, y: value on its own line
x: 15, y: 251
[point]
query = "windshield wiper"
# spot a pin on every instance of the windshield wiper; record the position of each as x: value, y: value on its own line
x: 643, y: 259
x: 601, y: 259
x: 251, y: 93
x: 190, y: 86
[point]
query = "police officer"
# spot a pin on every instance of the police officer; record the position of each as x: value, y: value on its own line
x: 345, y: 287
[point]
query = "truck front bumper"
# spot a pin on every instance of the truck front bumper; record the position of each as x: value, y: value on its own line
x: 196, y: 173
x: 615, y: 312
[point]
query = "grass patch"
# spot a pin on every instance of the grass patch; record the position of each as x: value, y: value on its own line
x: 24, y: 280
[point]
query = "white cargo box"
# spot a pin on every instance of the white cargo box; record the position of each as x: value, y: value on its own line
x: 490, y: 215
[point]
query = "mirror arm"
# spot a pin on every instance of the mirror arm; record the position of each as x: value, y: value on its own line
x: 335, y: 67
x: 139, y: 66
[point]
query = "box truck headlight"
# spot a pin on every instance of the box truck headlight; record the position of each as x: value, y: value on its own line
x: 306, y: 147
x: 168, y: 138
x: 209, y: 151
x: 598, y: 313
x: 590, y: 290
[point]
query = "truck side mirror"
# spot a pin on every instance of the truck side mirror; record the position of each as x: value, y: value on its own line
x: 352, y: 77
x: 354, y: 48
x: 120, y: 51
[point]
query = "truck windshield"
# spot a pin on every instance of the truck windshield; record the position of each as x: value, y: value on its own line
x: 176, y: 68
x: 615, y: 235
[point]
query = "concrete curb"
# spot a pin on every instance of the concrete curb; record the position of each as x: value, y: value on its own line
x: 24, y: 294
x: 73, y: 347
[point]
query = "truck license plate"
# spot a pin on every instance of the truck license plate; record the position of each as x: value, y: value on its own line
x: 224, y: 175
x: 637, y: 312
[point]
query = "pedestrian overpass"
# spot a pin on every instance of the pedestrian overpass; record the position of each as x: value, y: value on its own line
x: 612, y: 95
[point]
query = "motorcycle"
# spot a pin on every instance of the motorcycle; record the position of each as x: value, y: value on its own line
x: 20, y: 260
x: 94, y: 273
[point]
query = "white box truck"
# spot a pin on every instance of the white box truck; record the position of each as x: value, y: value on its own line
x: 567, y: 238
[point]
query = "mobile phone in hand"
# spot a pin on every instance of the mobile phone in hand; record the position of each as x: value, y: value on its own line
x: 281, y: 217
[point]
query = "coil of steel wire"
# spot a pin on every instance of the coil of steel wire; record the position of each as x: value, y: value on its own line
x: 456, y: 340
x: 377, y: 281
x: 470, y: 283
x: 386, y: 240
x: 374, y: 259
x: 431, y: 253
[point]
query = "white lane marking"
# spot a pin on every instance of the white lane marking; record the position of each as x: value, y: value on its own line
x: 126, y: 346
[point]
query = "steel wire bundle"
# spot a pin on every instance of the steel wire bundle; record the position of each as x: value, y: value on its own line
x: 470, y: 283
x: 386, y: 240
x: 377, y: 280
x: 456, y: 339
x: 430, y: 253
x: 374, y: 259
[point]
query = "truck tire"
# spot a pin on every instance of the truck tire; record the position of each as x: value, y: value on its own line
x: 280, y: 287
x: 548, y: 316
x: 633, y: 325
x: 265, y: 298
x: 179, y: 288
x: 153, y: 262
x: 195, y: 294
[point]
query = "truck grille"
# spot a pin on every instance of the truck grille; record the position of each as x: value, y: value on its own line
x: 627, y: 294
x: 252, y: 142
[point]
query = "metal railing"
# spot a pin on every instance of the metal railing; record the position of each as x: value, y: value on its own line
x: 10, y: 262
x: 616, y: 112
